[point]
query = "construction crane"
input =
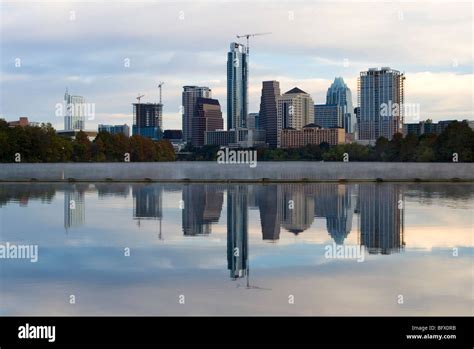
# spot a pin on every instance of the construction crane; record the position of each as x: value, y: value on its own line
x: 248, y: 36
x: 140, y: 97
x: 160, y: 85
x: 137, y: 121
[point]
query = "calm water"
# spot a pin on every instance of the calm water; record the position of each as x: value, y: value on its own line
x: 238, y: 249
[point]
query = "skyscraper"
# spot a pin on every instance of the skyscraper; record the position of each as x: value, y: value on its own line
x: 237, y: 71
x: 189, y: 99
x: 74, y: 118
x: 339, y: 94
x: 147, y: 120
x: 295, y: 109
x: 381, y: 98
x: 268, y: 116
x: 208, y: 118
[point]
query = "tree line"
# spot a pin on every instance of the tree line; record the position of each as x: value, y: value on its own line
x: 43, y: 144
x: 456, y: 142
x: 457, y: 138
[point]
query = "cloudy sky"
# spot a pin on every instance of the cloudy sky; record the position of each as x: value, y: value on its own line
x: 109, y: 52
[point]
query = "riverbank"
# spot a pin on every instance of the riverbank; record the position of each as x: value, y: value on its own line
x: 203, y: 171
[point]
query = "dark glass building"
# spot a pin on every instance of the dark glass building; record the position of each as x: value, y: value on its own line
x: 268, y: 116
x: 208, y: 118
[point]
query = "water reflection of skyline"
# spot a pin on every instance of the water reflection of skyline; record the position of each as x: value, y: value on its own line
x: 277, y: 249
x: 378, y: 208
x: 293, y: 207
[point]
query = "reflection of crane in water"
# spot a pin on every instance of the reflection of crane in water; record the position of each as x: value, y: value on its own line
x: 248, y: 286
x: 160, y: 235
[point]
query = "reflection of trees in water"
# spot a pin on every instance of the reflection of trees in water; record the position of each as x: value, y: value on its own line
x: 105, y: 190
x: 22, y: 193
x: 455, y: 194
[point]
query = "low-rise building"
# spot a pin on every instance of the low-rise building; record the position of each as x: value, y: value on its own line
x: 22, y: 122
x: 175, y: 137
x: 311, y: 134
x: 72, y: 134
x: 220, y: 137
x: 115, y: 129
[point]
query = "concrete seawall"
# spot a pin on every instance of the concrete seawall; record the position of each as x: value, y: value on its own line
x: 212, y: 171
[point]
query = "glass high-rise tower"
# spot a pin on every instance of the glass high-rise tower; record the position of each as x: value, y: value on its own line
x: 237, y: 72
x: 74, y: 118
x: 339, y: 94
x: 381, y: 98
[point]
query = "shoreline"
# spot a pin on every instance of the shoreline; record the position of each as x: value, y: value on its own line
x: 212, y: 172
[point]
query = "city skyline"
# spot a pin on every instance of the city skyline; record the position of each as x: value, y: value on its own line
x: 295, y: 54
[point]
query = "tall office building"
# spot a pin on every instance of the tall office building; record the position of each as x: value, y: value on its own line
x: 329, y: 115
x: 295, y: 109
x: 189, y: 100
x: 74, y: 118
x: 381, y: 98
x: 208, y: 118
x: 268, y: 116
x: 237, y: 71
x: 339, y: 94
x: 147, y: 120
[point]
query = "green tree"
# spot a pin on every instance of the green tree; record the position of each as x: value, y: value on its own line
x: 82, y: 148
x: 458, y: 138
x: 408, y: 147
x: 424, y: 151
